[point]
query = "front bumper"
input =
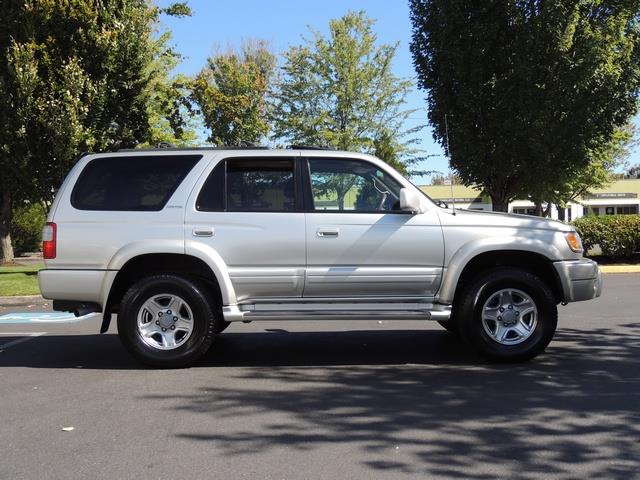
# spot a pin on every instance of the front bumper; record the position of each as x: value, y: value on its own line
x: 580, y: 279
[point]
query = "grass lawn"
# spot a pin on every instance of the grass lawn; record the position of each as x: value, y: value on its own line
x: 19, y: 280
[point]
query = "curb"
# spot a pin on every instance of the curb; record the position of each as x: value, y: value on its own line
x: 620, y: 268
x: 20, y: 300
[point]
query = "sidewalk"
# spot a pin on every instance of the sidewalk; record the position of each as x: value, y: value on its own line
x: 22, y: 301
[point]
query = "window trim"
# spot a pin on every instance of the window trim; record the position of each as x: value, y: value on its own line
x: 296, y: 190
x: 308, y: 191
x: 74, y: 192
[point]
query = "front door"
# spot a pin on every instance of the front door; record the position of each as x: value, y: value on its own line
x: 359, y: 243
x: 248, y: 211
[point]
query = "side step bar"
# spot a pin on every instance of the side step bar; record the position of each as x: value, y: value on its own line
x: 388, y: 311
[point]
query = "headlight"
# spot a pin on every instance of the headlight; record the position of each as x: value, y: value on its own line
x: 574, y: 242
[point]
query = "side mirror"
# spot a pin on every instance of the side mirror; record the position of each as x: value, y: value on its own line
x: 410, y: 201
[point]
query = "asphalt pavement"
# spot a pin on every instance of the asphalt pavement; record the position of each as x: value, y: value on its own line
x: 330, y: 400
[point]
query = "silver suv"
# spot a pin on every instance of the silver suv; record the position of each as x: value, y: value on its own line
x: 181, y: 242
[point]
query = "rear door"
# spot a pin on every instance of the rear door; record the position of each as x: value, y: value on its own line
x: 248, y: 210
x: 359, y: 243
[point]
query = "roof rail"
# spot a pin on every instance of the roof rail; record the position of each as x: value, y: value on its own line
x: 164, y: 149
x: 307, y: 147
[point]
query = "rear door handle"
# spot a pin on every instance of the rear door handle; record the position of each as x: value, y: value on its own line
x: 328, y: 232
x: 203, y: 232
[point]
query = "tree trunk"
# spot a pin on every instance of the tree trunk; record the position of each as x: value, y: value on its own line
x: 538, y: 209
x: 5, y: 228
x: 499, y: 204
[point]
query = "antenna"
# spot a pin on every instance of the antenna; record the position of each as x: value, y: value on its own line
x: 451, y: 177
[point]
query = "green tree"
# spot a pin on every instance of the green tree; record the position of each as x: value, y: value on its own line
x: 633, y: 171
x: 533, y: 90
x: 598, y: 173
x: 444, y: 179
x: 339, y: 91
x: 231, y: 93
x: 171, y: 116
x: 74, y: 76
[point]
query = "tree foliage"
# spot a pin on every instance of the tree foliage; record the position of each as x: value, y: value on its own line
x: 633, y: 171
x: 597, y: 173
x: 231, y: 93
x: 536, y: 91
x: 171, y: 116
x: 74, y: 76
x: 340, y: 91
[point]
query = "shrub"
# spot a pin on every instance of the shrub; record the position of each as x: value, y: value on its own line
x: 26, y: 228
x: 617, y: 235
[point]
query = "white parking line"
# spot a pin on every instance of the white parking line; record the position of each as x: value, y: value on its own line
x: 43, y: 317
x: 26, y: 337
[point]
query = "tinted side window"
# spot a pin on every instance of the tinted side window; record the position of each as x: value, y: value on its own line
x: 352, y: 185
x: 211, y: 197
x: 136, y: 183
x: 260, y: 185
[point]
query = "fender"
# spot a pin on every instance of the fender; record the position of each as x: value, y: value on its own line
x: 131, y: 250
x: 217, y: 265
x: 459, y: 260
x: 205, y: 253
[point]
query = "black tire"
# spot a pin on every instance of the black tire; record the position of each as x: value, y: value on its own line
x: 205, y: 321
x: 472, y: 301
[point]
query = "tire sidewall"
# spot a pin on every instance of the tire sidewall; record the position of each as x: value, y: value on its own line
x: 470, y: 320
x: 203, y: 321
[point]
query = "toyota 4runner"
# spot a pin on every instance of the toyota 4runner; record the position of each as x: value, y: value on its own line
x: 181, y: 242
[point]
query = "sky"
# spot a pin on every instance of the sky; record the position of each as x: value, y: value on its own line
x: 284, y: 23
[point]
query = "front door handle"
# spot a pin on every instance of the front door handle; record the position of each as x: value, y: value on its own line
x: 203, y: 232
x: 328, y: 232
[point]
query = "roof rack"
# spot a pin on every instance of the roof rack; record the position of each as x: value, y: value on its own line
x: 164, y: 149
x: 307, y: 147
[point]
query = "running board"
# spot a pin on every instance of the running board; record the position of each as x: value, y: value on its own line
x: 354, y: 311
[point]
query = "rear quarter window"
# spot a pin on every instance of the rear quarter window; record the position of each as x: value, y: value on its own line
x: 132, y: 183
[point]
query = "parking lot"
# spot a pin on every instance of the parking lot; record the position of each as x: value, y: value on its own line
x: 333, y: 400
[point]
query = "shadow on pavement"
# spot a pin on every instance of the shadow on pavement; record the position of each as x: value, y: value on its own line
x: 415, y: 402
x: 271, y: 348
x: 450, y: 414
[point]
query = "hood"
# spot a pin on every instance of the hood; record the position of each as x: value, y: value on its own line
x: 498, y: 219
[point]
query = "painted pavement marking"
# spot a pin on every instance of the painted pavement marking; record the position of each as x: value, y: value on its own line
x: 41, y: 317
x: 25, y: 337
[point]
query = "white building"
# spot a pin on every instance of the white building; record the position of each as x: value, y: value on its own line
x: 621, y: 197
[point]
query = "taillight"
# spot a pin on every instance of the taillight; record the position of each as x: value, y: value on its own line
x: 49, y: 241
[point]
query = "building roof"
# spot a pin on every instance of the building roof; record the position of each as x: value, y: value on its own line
x: 627, y: 185
x: 461, y: 192
x: 443, y: 192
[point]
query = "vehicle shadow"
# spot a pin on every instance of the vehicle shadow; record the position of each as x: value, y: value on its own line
x: 271, y: 348
x: 414, y: 402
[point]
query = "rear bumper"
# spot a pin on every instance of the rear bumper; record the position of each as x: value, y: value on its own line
x: 580, y: 279
x: 74, y: 285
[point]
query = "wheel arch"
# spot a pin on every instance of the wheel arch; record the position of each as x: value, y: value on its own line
x: 146, y: 264
x: 457, y: 276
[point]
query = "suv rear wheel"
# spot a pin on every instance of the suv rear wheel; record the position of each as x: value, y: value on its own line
x: 507, y: 314
x: 167, y: 321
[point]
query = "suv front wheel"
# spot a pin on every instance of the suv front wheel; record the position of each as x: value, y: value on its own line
x: 167, y: 321
x: 507, y: 314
